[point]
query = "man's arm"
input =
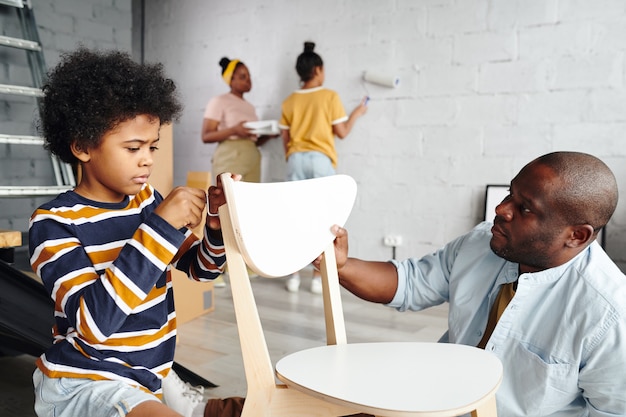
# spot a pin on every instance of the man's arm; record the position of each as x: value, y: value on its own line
x: 369, y: 280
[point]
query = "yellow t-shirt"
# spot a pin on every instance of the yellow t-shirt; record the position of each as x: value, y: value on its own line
x: 309, y: 115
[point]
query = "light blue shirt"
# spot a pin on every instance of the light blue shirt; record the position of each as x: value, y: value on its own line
x: 562, y: 338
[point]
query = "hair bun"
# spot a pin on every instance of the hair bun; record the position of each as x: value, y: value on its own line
x: 224, y: 63
x: 309, y: 46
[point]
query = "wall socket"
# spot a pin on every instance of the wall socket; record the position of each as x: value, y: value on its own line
x: 392, y: 240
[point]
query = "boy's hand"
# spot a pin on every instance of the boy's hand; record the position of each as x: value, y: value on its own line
x: 182, y: 207
x: 216, y: 198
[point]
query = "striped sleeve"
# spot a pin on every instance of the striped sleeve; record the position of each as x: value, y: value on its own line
x: 202, y: 260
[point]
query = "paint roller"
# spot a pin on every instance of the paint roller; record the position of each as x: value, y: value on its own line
x: 381, y: 78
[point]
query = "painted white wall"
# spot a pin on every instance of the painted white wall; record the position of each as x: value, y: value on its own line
x: 486, y: 86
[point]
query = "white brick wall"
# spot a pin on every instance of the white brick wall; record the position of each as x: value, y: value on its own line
x: 486, y: 86
x: 62, y: 24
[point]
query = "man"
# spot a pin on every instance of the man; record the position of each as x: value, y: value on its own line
x: 534, y: 288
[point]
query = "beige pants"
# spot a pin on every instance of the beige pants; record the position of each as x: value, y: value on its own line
x: 238, y: 156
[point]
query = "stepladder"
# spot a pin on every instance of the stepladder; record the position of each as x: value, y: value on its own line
x: 27, y: 170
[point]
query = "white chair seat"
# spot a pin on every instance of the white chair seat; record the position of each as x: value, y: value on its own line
x: 396, y: 378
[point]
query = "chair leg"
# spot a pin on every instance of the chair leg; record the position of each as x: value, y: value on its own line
x: 486, y: 409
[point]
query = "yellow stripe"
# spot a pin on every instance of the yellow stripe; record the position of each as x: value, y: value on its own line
x: 141, y: 340
x: 105, y: 255
x: 154, y: 246
x: 129, y: 298
x: 67, y: 285
x: 51, y: 251
x: 91, y: 375
x: 87, y: 212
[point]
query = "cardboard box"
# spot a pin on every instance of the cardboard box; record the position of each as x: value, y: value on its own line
x: 191, y: 298
x: 10, y: 238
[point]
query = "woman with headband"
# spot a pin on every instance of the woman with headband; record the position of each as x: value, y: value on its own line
x: 224, y: 119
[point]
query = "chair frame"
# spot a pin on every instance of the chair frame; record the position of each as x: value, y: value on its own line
x: 265, y: 397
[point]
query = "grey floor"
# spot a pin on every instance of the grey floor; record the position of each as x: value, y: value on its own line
x: 209, y: 345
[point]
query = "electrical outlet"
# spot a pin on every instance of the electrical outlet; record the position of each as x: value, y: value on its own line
x: 392, y: 240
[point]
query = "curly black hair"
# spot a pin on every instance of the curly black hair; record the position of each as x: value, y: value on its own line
x: 90, y: 92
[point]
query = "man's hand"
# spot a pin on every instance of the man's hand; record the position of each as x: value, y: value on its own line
x: 369, y: 280
x: 341, y: 247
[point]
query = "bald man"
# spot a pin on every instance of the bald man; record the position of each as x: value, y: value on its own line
x: 533, y: 288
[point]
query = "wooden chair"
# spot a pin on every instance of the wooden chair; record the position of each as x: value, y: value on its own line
x: 276, y: 229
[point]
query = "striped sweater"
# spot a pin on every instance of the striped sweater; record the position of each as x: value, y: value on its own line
x: 107, y: 269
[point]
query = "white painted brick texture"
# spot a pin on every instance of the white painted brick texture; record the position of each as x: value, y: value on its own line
x: 62, y: 25
x: 485, y: 87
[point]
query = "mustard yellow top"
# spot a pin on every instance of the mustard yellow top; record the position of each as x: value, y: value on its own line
x: 309, y: 115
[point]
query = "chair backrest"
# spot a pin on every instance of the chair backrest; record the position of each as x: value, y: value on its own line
x: 277, y: 229
x: 281, y: 227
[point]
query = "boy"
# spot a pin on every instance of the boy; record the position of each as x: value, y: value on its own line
x: 103, y: 250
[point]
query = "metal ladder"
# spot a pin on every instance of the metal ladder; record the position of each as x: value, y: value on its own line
x: 31, y: 45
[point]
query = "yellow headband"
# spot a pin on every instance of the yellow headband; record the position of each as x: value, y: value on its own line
x: 228, y: 72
